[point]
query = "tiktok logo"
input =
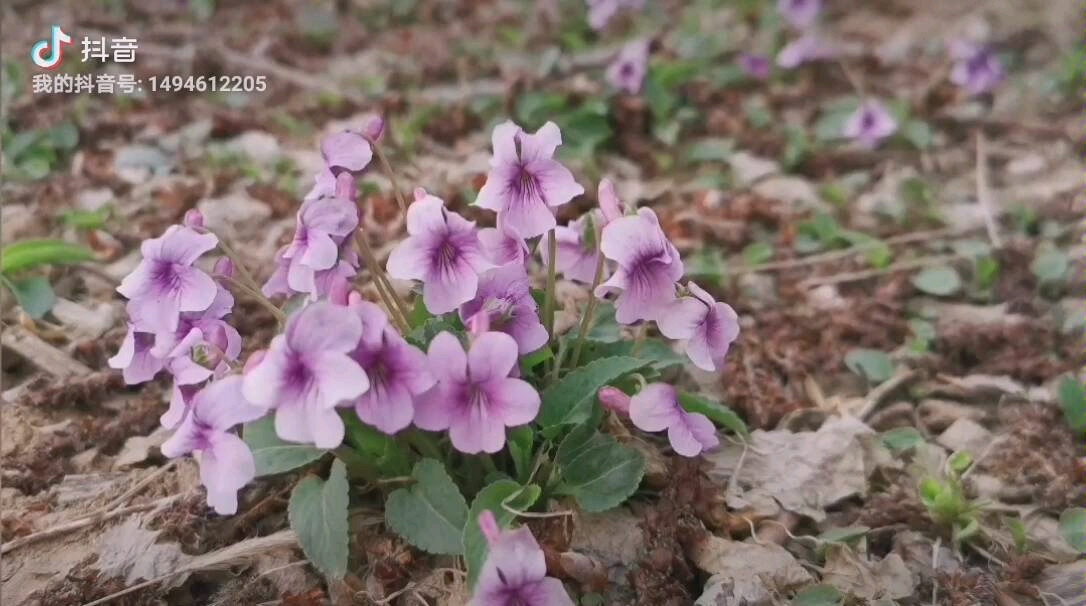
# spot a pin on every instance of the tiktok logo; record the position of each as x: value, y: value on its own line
x: 54, y: 45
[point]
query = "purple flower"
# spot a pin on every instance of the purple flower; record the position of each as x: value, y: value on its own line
x: 611, y: 207
x: 180, y: 402
x: 179, y: 362
x: 801, y: 14
x: 706, y: 327
x: 755, y: 66
x: 576, y: 257
x: 505, y: 295
x: 442, y: 251
x: 869, y: 124
x: 165, y: 283
x: 226, y: 464
x: 134, y: 357
x: 976, y: 68
x: 601, y: 11
x: 474, y: 399
x: 324, y: 185
x: 307, y: 372
x: 525, y: 181
x: 217, y: 332
x: 193, y: 218
x: 346, y: 150
x: 656, y: 408
x: 808, y: 47
x: 648, y: 267
x: 397, y: 372
x: 323, y: 281
x: 515, y: 570
x: 627, y: 71
x: 503, y: 245
x: 323, y: 225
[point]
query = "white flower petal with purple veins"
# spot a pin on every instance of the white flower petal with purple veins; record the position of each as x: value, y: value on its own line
x: 505, y: 294
x: 134, y: 358
x: 475, y: 399
x: 525, y: 181
x: 515, y: 570
x: 627, y: 71
x: 574, y: 259
x: 323, y: 224
x: 706, y: 328
x: 307, y: 372
x: 648, y: 267
x: 442, y: 251
x: 976, y: 69
x: 226, y: 464
x: 502, y: 245
x: 656, y: 408
x: 800, y: 14
x: 807, y: 48
x: 346, y: 150
x: 165, y: 283
x: 870, y: 124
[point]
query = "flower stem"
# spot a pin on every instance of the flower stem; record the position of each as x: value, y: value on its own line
x: 260, y: 298
x: 391, y: 174
x: 548, y: 301
x: 233, y: 256
x: 642, y: 334
x: 384, y: 289
x: 589, y: 312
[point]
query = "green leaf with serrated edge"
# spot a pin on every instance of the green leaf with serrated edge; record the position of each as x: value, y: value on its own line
x: 1073, y: 528
x: 421, y: 336
x: 716, y: 412
x: 874, y: 365
x: 521, y: 440
x: 419, y: 314
x: 596, y: 470
x: 385, y: 452
x: 273, y: 455
x: 818, y: 595
x: 941, y: 281
x: 496, y: 498
x: 570, y: 400
x: 902, y: 438
x: 431, y: 513
x: 318, y: 515
x: 654, y: 352
x: 27, y: 254
x: 34, y: 295
x: 1073, y: 402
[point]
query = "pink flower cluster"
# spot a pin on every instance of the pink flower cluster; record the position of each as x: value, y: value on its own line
x: 339, y: 351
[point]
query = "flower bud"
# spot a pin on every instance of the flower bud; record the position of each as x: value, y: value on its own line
x: 224, y: 268
x: 374, y: 129
x: 609, y: 202
x: 488, y: 524
x: 340, y: 291
x: 193, y: 218
x: 354, y: 297
x: 614, y: 399
x: 254, y: 359
x: 420, y: 193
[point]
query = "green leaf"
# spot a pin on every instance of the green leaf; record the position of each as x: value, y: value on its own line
x: 987, y: 272
x: 596, y: 470
x: 86, y: 219
x: 959, y: 462
x: 941, y: 281
x: 35, y: 167
x: 1050, y: 264
x: 919, y: 133
x: 831, y: 125
x: 495, y: 498
x: 430, y: 514
x: 717, y: 413
x: 530, y: 361
x: 902, y: 438
x: 652, y: 352
x: 1073, y: 402
x: 710, y: 150
x: 570, y: 400
x: 318, y: 515
x: 757, y: 253
x: 876, y: 366
x: 34, y: 295
x: 818, y: 595
x: 27, y: 254
x: 421, y: 336
x: 64, y: 136
x: 419, y: 314
x: 1018, y: 533
x: 386, y: 453
x: 273, y: 455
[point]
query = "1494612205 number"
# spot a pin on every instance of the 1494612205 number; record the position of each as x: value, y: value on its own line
x: 199, y: 84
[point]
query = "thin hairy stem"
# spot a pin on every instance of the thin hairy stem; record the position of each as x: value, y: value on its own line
x: 589, y: 312
x: 391, y: 174
x: 548, y: 301
x: 394, y: 311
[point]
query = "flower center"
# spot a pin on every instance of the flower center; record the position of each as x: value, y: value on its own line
x: 299, y: 378
x: 447, y: 253
x: 626, y: 70
x: 527, y: 185
x: 868, y: 121
x: 165, y: 277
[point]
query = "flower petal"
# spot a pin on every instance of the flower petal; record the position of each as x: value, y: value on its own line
x: 479, y: 429
x: 515, y: 400
x: 326, y: 427
x: 338, y: 379
x: 388, y: 408
x: 692, y: 434
x: 264, y: 382
x: 292, y: 423
x: 182, y: 245
x: 226, y: 466
x: 410, y: 260
x: 557, y: 182
x: 434, y: 409
x: 541, y: 144
x: 492, y: 356
x: 195, y: 289
x: 655, y: 407
x: 503, y: 141
x: 448, y: 360
x: 447, y: 291
x: 682, y: 318
x: 323, y: 327
x: 222, y: 405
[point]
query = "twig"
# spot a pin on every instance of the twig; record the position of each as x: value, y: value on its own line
x: 878, y: 394
x: 83, y: 523
x: 856, y: 276
x: 144, y: 483
x: 984, y: 191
